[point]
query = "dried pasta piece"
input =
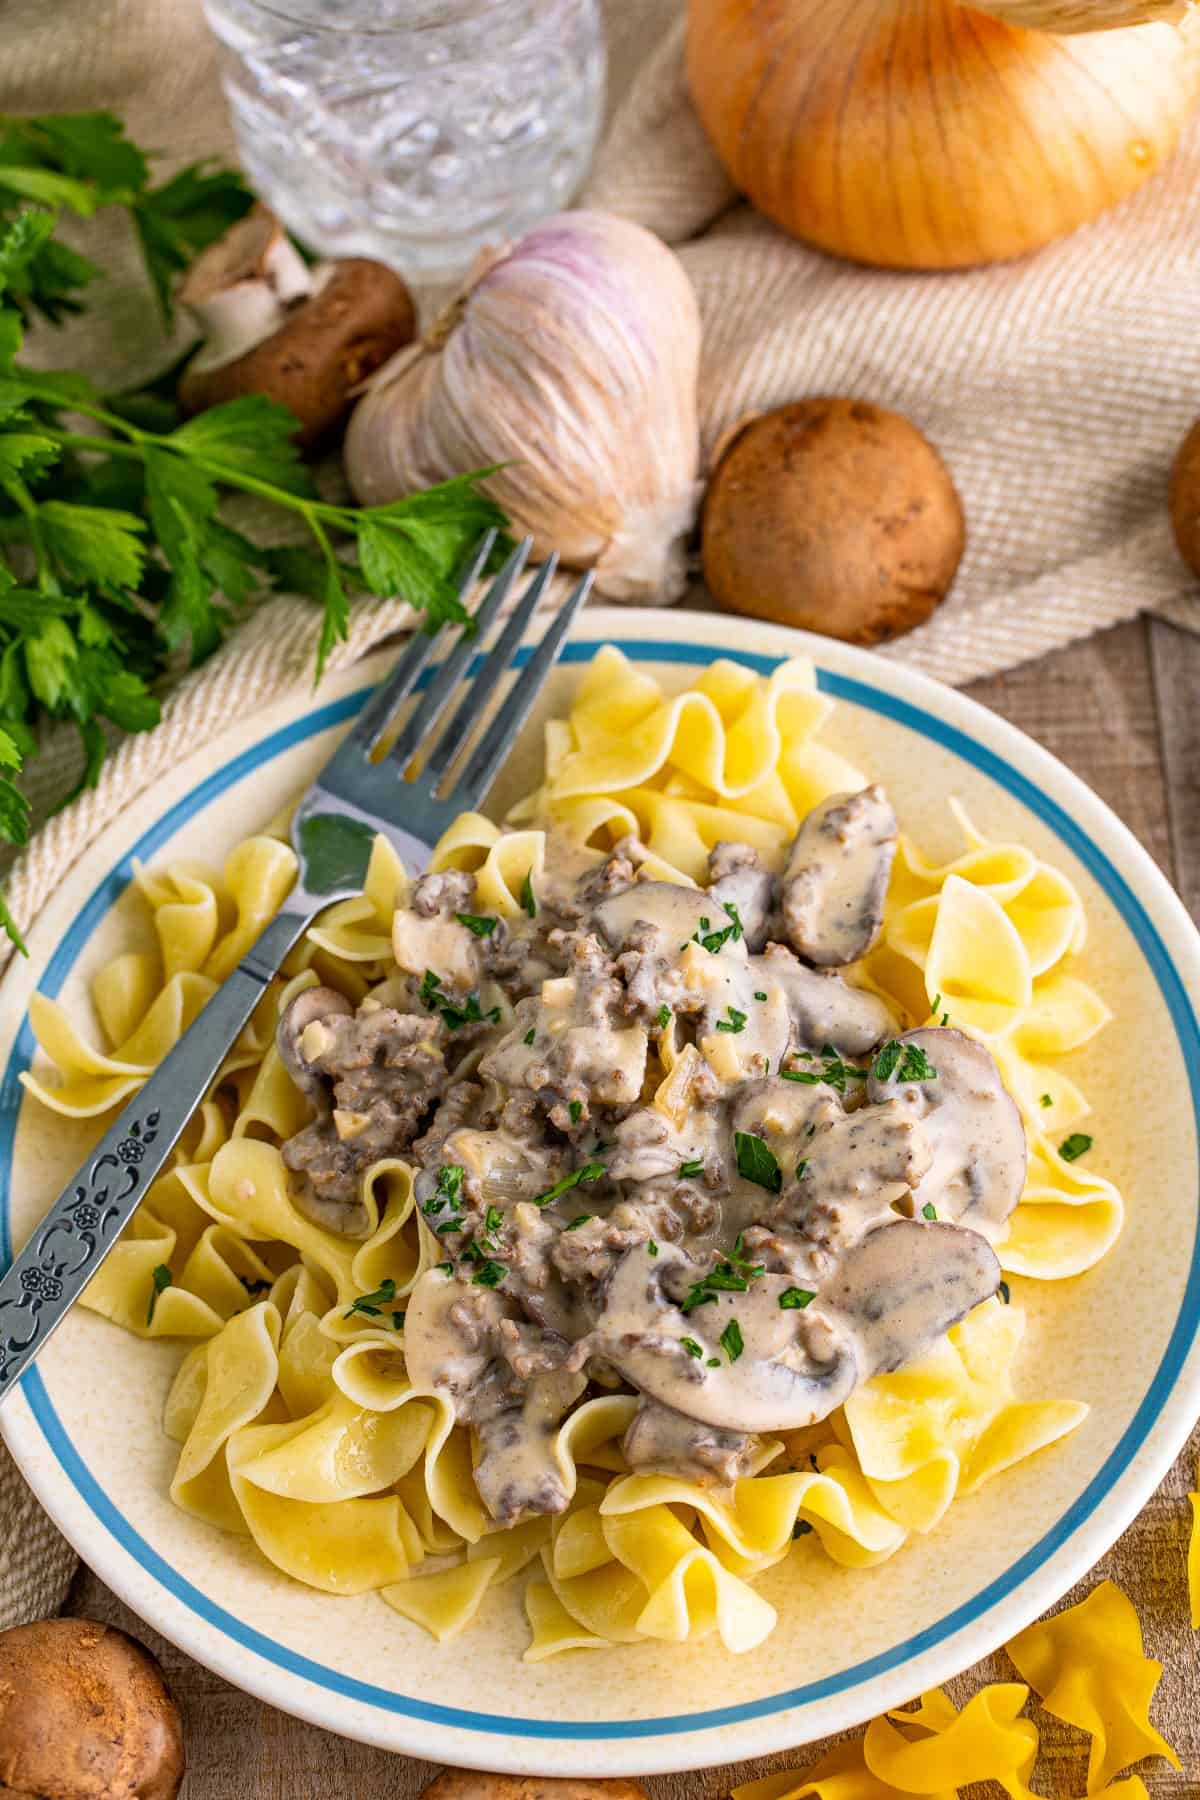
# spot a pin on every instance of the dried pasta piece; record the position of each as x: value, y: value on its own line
x: 444, y: 1603
x: 935, y: 1750
x: 1089, y: 1668
x: 841, y: 1775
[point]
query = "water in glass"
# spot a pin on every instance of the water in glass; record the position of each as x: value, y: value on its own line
x: 414, y: 131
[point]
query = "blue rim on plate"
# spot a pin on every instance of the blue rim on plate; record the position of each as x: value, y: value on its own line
x: 1181, y: 1341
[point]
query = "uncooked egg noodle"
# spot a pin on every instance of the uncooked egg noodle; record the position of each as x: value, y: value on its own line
x: 297, y: 1420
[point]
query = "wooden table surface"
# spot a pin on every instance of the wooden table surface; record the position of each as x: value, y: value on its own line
x: 1123, y: 711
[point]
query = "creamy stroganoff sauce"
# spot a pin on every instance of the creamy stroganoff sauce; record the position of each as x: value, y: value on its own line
x: 664, y: 1145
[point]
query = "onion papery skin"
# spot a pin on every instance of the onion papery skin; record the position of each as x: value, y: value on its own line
x: 918, y: 134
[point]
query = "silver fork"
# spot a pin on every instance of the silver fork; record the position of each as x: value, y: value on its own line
x: 357, y: 795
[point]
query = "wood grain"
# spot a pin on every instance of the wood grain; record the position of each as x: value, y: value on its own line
x: 1097, y: 706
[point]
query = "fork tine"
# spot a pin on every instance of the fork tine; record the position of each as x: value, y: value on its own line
x: 446, y: 680
x: 485, y: 682
x: 497, y: 740
x: 384, y: 703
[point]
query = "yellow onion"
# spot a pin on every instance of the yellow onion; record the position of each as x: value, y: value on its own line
x: 924, y: 134
x: 571, y: 363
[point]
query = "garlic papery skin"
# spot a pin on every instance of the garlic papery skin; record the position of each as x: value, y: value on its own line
x: 925, y: 134
x: 572, y: 360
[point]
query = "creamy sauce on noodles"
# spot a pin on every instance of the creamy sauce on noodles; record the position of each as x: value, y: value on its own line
x: 664, y: 1144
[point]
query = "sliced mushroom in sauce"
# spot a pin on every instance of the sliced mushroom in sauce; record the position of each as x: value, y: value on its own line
x: 837, y: 876
x: 676, y: 1159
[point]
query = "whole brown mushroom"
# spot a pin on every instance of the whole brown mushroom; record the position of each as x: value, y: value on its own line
x: 835, y: 516
x: 475, y: 1784
x: 1183, y: 498
x: 304, y: 337
x: 85, y: 1715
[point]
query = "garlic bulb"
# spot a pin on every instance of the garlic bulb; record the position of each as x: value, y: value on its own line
x: 572, y: 360
x: 927, y: 134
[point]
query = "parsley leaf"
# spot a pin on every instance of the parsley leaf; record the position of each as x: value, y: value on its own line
x: 756, y: 1161
x: 371, y: 1305
x: 695, y: 1167
x: 530, y: 1035
x: 915, y: 1065
x: 1046, y: 1100
x: 527, y: 896
x: 480, y: 925
x: 160, y: 1280
x: 795, y: 1299
x: 730, y: 1340
x: 1077, y: 1145
x: 692, y: 1347
x: 575, y: 1111
x: 736, y: 1022
x: 489, y: 1275
x: 589, y: 1172
x: 929, y: 1210
x: 578, y: 1220
x: 886, y: 1063
x: 664, y: 1017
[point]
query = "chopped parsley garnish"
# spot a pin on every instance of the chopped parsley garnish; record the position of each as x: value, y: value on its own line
x: 530, y: 1035
x: 160, y: 1280
x: 1077, y: 1145
x: 730, y: 1340
x: 804, y: 1075
x: 444, y: 1268
x: 589, y: 1172
x: 1004, y: 1292
x: 447, y: 1198
x: 795, y: 1299
x: 493, y: 1221
x: 695, y: 1167
x: 937, y: 1001
x: 836, y: 1073
x: 731, y: 1275
x: 758, y: 995
x: 929, y: 1210
x: 578, y: 1220
x: 651, y: 1247
x: 756, y: 1161
x: 452, y: 1012
x: 1046, y: 1100
x: 664, y: 1017
x: 489, y: 1275
x: 714, y: 1362
x: 372, y: 1305
x: 692, y: 1348
x: 801, y: 1528
x: 737, y: 1020
x: 527, y: 897
x: 398, y: 1319
x: 885, y: 1064
x: 575, y: 1111
x: 480, y: 925
x: 714, y: 940
x: 916, y: 1066
x: 802, y: 1168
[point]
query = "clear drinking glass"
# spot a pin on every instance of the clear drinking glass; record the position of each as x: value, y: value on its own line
x: 413, y: 131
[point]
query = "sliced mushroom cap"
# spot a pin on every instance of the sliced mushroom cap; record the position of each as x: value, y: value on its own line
x: 306, y: 1009
x: 825, y: 1009
x: 793, y: 1367
x: 85, y: 1713
x: 305, y: 338
x: 451, y: 1332
x: 905, y: 1284
x: 973, y: 1125
x: 676, y: 910
x: 837, y: 877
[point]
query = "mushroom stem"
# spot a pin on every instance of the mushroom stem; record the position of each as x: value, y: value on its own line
x: 240, y: 289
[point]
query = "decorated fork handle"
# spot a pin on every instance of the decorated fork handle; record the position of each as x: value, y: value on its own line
x: 67, y: 1248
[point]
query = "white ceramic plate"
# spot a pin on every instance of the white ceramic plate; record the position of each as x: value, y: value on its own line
x: 85, y: 1430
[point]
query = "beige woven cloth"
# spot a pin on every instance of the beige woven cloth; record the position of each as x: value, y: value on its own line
x: 1057, y: 390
